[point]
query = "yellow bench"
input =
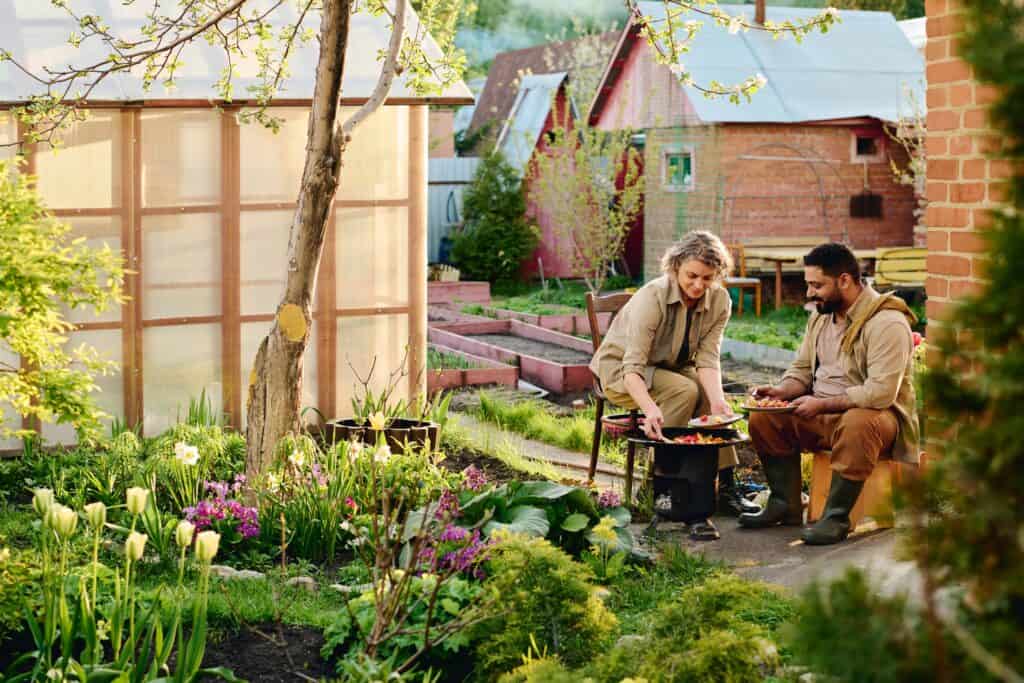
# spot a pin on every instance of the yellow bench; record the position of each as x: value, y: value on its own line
x: 875, y: 500
x: 900, y: 267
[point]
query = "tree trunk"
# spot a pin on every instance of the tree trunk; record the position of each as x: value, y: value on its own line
x: 275, y: 384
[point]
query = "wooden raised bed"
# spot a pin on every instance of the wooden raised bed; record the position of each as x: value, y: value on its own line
x: 490, y: 372
x: 454, y: 292
x: 559, y: 376
x: 439, y: 315
x: 569, y: 323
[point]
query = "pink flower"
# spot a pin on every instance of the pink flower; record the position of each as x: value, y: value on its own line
x: 917, y: 339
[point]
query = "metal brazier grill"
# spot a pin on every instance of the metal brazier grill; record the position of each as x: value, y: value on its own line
x: 688, y: 471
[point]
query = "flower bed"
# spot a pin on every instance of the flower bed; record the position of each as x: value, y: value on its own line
x: 483, y: 371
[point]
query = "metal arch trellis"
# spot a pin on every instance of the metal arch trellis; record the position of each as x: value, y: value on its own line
x: 811, y: 162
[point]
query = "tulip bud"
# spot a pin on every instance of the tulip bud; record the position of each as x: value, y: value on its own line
x: 137, y: 500
x: 183, y: 534
x: 96, y: 513
x: 135, y: 546
x: 42, y: 499
x: 63, y: 520
x: 207, y: 543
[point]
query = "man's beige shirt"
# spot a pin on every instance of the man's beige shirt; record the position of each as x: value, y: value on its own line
x: 648, y: 333
x: 830, y: 378
x: 879, y: 366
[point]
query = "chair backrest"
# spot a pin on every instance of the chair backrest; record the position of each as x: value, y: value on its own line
x: 609, y: 303
x: 739, y: 258
x: 901, y: 266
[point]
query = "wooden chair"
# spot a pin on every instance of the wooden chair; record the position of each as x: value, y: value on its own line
x: 743, y: 282
x: 611, y: 303
x: 901, y: 267
x: 875, y: 498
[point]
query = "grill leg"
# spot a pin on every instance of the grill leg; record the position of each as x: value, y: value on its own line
x: 595, y: 447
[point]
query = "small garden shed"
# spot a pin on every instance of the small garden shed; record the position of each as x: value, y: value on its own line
x: 201, y: 206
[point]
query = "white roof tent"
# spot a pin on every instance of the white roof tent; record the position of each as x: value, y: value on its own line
x: 201, y: 206
x: 861, y: 68
x: 36, y: 34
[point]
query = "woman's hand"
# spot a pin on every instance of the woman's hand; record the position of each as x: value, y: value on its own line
x: 721, y: 408
x: 653, y: 422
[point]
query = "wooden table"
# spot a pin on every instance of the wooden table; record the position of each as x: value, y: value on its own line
x: 780, y: 255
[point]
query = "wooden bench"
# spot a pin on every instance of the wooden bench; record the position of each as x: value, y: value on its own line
x: 875, y: 499
x: 741, y: 281
x: 900, y: 267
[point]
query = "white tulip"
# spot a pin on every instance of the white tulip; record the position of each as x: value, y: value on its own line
x: 96, y: 513
x: 42, y: 499
x: 207, y: 543
x: 137, y: 497
x: 135, y: 546
x: 184, y: 533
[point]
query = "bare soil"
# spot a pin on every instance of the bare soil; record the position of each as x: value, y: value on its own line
x: 495, y: 470
x: 260, y: 654
x: 538, y: 349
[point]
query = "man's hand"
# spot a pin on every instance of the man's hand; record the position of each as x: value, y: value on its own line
x: 721, y: 408
x: 809, y: 406
x: 785, y: 390
x: 767, y: 391
x: 653, y: 422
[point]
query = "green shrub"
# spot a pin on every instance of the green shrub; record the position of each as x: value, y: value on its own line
x: 546, y: 602
x: 221, y: 456
x: 19, y: 587
x: 540, y: 670
x: 496, y: 237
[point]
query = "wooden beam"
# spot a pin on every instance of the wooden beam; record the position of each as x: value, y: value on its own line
x: 418, y: 139
x: 230, y: 253
x: 129, y: 310
x: 327, y: 324
x: 138, y: 408
x: 759, y: 12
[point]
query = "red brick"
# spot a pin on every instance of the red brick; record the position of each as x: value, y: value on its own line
x: 966, y: 193
x: 961, y: 145
x: 997, y: 192
x: 943, y: 169
x: 935, y: 310
x: 986, y: 94
x: 947, y: 217
x: 938, y: 96
x: 981, y: 219
x: 1000, y: 168
x: 979, y: 267
x: 941, y: 264
x: 976, y: 118
x: 962, y: 288
x: 935, y: 8
x: 936, y: 146
x: 990, y: 143
x: 967, y: 242
x: 937, y: 192
x: 974, y: 169
x: 961, y: 95
x: 936, y: 286
x: 948, y: 71
x: 947, y: 25
x: 938, y: 240
x: 936, y: 50
x: 943, y: 120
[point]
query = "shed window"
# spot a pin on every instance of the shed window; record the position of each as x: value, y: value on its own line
x: 867, y: 145
x: 678, y: 170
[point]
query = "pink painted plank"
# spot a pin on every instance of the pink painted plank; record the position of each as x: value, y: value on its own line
x: 450, y: 292
x: 536, y: 333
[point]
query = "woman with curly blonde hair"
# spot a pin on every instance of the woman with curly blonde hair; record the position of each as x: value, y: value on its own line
x: 662, y: 356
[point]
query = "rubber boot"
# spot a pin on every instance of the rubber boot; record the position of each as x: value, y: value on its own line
x: 834, y: 525
x: 784, y: 504
x: 731, y: 502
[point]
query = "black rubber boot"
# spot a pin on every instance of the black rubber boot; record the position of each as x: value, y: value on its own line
x: 731, y: 502
x: 834, y: 525
x: 784, y: 504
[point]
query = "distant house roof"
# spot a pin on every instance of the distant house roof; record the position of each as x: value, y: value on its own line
x: 916, y: 31
x: 860, y: 68
x: 530, y: 110
x: 36, y: 34
x: 495, y: 102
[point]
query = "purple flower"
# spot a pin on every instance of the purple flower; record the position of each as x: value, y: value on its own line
x: 224, y: 514
x: 475, y: 479
x: 447, y: 506
x: 453, y: 533
x: 609, y: 499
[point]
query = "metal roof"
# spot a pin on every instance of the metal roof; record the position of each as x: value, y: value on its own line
x: 36, y: 34
x: 861, y: 67
x: 526, y: 120
x: 916, y: 31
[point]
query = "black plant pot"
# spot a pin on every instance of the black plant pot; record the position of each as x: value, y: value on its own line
x: 400, y: 433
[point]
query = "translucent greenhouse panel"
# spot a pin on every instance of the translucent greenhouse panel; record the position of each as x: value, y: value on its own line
x: 360, y: 340
x: 252, y: 337
x: 271, y: 164
x: 264, y: 242
x: 84, y: 170
x: 181, y: 265
x: 180, y: 157
x: 376, y: 163
x: 9, y: 419
x: 179, y: 362
x: 8, y: 134
x: 110, y: 394
x: 372, y: 255
x: 97, y: 231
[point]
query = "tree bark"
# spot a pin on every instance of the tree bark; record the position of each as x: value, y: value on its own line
x: 275, y: 384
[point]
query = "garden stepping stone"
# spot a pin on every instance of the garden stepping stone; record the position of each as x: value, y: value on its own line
x: 307, y: 583
x: 229, y: 573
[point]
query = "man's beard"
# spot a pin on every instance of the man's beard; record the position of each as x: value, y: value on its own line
x: 830, y: 306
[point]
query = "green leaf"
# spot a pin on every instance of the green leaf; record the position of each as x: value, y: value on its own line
x: 523, y: 519
x: 532, y: 491
x: 620, y: 514
x: 450, y: 606
x: 575, y: 522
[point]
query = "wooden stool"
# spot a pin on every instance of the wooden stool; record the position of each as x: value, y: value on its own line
x: 875, y: 499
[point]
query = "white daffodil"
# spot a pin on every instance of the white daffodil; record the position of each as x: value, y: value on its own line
x: 378, y: 422
x: 382, y: 453
x: 186, y: 454
x: 297, y: 458
x: 137, y: 497
x: 273, y: 482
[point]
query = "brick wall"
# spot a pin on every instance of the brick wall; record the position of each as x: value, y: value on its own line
x: 962, y: 182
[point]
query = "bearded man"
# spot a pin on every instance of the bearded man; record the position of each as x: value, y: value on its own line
x: 851, y: 385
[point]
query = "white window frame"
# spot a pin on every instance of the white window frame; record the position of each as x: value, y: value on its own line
x: 879, y: 154
x: 673, y: 150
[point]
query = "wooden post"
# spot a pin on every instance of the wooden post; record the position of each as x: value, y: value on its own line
x: 417, y: 250
x: 138, y: 410
x: 759, y: 12
x: 130, y: 309
x: 231, y: 281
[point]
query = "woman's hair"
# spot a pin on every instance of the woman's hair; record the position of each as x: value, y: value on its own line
x: 700, y: 245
